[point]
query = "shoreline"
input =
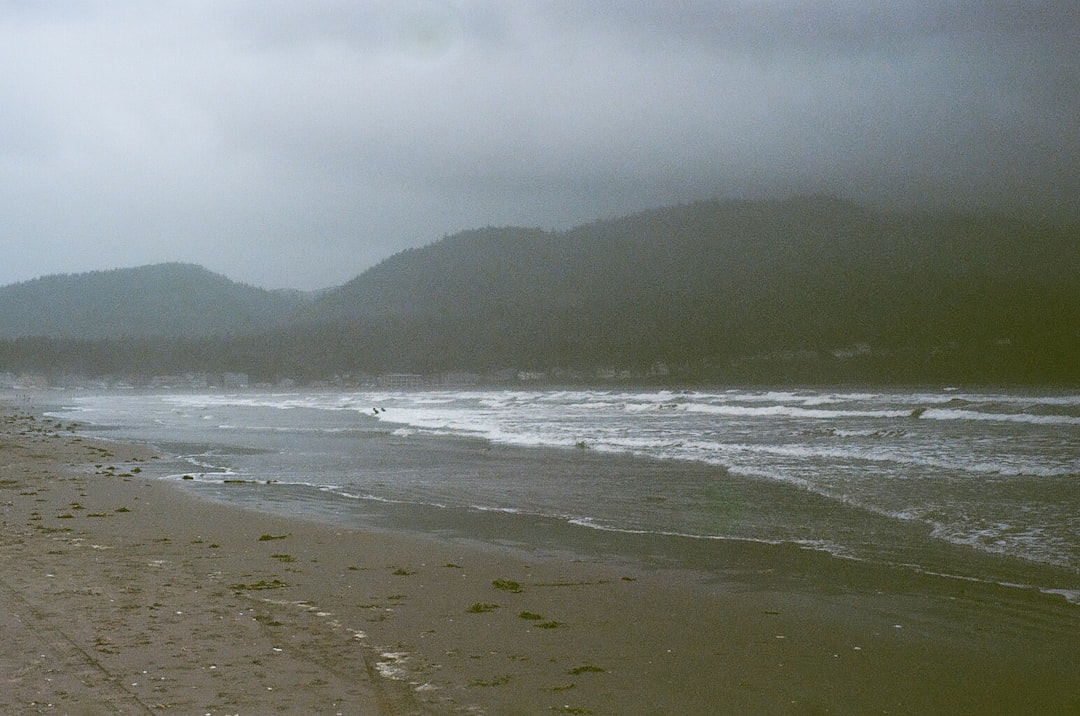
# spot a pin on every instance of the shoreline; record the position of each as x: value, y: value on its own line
x: 125, y: 594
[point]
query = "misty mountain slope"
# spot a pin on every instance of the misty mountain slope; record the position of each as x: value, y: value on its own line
x: 712, y: 280
x: 162, y: 300
x: 454, y: 276
x: 804, y: 290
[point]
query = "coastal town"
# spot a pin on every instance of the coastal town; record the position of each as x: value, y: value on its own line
x: 234, y: 381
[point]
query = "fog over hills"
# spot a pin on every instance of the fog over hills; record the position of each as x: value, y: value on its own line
x: 808, y: 289
x: 716, y: 281
x: 163, y: 300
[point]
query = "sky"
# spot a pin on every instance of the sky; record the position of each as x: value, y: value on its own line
x: 296, y: 143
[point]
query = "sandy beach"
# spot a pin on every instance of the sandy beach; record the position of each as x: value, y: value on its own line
x: 122, y: 594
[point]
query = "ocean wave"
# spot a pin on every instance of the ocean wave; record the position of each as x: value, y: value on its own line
x: 1036, y: 419
x: 950, y: 468
x: 368, y: 497
x: 1031, y: 544
x: 1070, y: 595
x: 788, y: 411
x: 816, y: 545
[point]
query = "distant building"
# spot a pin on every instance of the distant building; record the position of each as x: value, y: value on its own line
x: 502, y: 375
x: 31, y: 380
x: 401, y: 380
x: 192, y: 381
x: 234, y: 381
x: 567, y: 375
x: 460, y: 378
x: 659, y: 369
x: 613, y: 374
x: 856, y: 350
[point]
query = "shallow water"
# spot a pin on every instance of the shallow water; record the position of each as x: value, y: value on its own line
x: 896, y: 477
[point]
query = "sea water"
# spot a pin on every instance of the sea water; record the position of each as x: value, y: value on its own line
x: 901, y: 477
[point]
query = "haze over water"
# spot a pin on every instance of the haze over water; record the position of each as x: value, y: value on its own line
x: 974, y: 485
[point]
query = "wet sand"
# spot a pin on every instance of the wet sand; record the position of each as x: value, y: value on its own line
x: 122, y: 594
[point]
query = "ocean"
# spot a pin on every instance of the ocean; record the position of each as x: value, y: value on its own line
x: 967, y: 485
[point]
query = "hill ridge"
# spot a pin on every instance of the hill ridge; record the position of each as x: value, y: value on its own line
x: 164, y: 299
x: 811, y: 288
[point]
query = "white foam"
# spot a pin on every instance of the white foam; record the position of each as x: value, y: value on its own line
x: 788, y: 411
x: 504, y: 510
x: 1070, y: 595
x: 826, y: 546
x: 865, y: 449
x: 954, y: 414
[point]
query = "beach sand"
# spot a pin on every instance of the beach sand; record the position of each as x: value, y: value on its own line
x: 122, y: 594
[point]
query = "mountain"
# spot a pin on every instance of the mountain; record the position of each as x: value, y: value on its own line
x: 715, y: 283
x: 805, y: 290
x: 171, y: 299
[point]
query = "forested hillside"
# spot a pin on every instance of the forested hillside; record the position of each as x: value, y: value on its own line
x: 810, y: 289
x: 162, y: 300
x: 707, y: 284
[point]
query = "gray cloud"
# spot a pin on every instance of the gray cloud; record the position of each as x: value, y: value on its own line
x: 295, y: 144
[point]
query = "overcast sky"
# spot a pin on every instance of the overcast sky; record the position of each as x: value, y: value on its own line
x: 295, y: 143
